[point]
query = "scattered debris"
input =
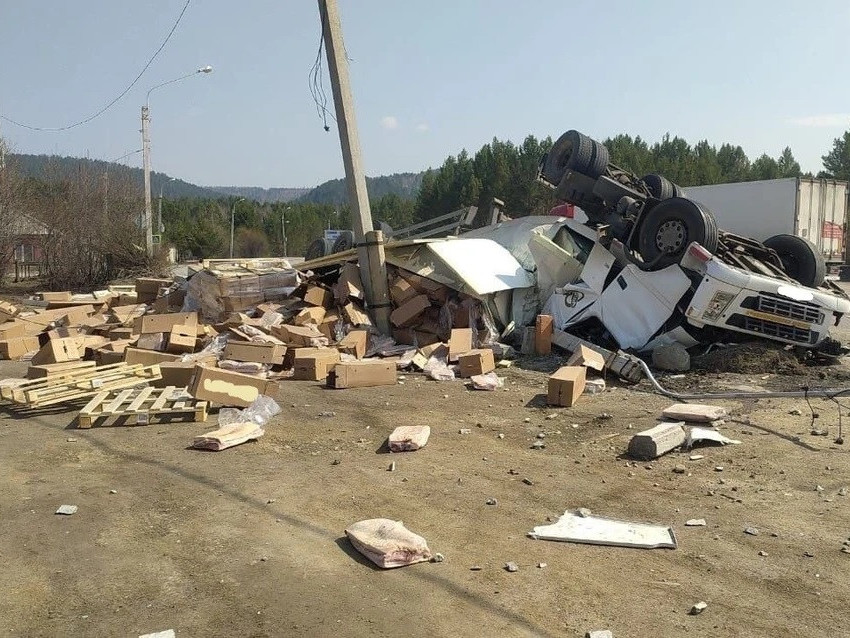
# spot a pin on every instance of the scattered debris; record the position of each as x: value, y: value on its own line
x: 795, y: 412
x: 528, y: 481
x: 594, y: 386
x: 698, y: 608
x: 599, y: 633
x: 694, y: 412
x: 464, y: 431
x: 168, y: 633
x: 672, y: 358
x: 762, y: 553
x: 489, y: 381
x: 438, y: 558
x: 67, y: 510
x: 408, y: 438
x: 388, y: 543
x: 679, y: 469
x: 652, y: 443
x: 391, y: 467
x: 696, y: 457
x: 695, y: 522
x: 511, y: 567
x: 701, y: 435
x: 597, y: 530
x: 228, y: 436
x: 752, y: 531
x: 542, y: 565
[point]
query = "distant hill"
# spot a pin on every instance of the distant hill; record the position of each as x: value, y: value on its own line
x: 50, y: 167
x: 262, y: 195
x: 334, y: 191
x: 404, y: 185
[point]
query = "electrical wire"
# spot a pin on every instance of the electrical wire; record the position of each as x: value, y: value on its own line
x: 121, y: 95
x: 316, y: 78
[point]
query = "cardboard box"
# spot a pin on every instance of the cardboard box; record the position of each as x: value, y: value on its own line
x: 566, y: 385
x: 55, y: 296
x: 427, y: 338
x: 242, y: 301
x: 460, y: 342
x: 474, y: 362
x: 318, y: 296
x: 406, y: 314
x: 164, y: 323
x: 543, y: 328
x: 363, y: 374
x: 153, y: 341
x: 17, y: 347
x: 181, y: 339
x: 7, y: 311
x: 355, y: 315
x: 588, y: 358
x: 401, y: 291
x: 12, y: 329
x: 229, y: 388
x: 120, y: 334
x: 312, y: 315
x: 314, y: 365
x: 252, y: 351
x: 58, y: 351
x: 436, y: 291
x: 349, y: 285
x: 406, y: 336
x: 328, y: 325
x: 176, y: 373
x: 354, y: 343
x: 52, y: 369
x: 149, y: 286
x: 307, y: 336
x: 124, y: 314
x: 135, y: 356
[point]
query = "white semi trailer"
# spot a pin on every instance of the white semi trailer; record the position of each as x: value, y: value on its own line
x: 815, y: 209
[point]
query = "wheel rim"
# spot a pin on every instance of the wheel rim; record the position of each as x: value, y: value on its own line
x: 671, y: 236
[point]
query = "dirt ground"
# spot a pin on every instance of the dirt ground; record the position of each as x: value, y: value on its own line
x: 249, y: 541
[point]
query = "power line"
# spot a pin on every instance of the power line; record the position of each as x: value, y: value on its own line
x: 317, y: 85
x: 122, y: 94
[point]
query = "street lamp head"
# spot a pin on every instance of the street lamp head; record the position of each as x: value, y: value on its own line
x: 205, y: 69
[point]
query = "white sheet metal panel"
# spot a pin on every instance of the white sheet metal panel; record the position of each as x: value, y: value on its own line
x: 597, y: 530
x: 484, y: 265
x: 753, y: 209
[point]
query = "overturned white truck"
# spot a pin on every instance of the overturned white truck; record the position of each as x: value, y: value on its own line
x: 654, y: 266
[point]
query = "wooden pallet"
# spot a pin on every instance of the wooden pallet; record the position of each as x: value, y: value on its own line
x: 79, y: 384
x: 135, y: 406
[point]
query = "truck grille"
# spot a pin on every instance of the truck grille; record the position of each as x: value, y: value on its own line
x: 782, y: 307
x: 772, y: 329
x: 790, y: 309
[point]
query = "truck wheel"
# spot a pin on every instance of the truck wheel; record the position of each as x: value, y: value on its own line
x: 800, y: 259
x: 669, y: 228
x: 572, y: 151
x: 599, y: 160
x: 315, y: 250
x: 678, y: 191
x: 659, y: 187
x: 345, y: 241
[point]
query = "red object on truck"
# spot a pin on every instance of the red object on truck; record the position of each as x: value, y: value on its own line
x: 563, y: 210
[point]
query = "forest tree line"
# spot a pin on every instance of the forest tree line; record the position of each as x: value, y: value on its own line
x: 200, y: 226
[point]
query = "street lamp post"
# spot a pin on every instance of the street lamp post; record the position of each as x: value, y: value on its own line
x: 146, y: 151
x: 232, y: 218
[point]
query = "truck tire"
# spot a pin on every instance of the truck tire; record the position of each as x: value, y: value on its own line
x: 345, y: 241
x: 678, y: 191
x: 800, y: 259
x: 316, y: 249
x: 599, y: 160
x: 659, y: 186
x: 669, y: 228
x: 571, y: 151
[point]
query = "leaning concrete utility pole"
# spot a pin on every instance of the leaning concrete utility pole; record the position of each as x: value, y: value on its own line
x: 370, y: 258
x: 146, y: 155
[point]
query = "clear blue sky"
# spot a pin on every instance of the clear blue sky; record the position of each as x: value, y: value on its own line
x: 429, y: 77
